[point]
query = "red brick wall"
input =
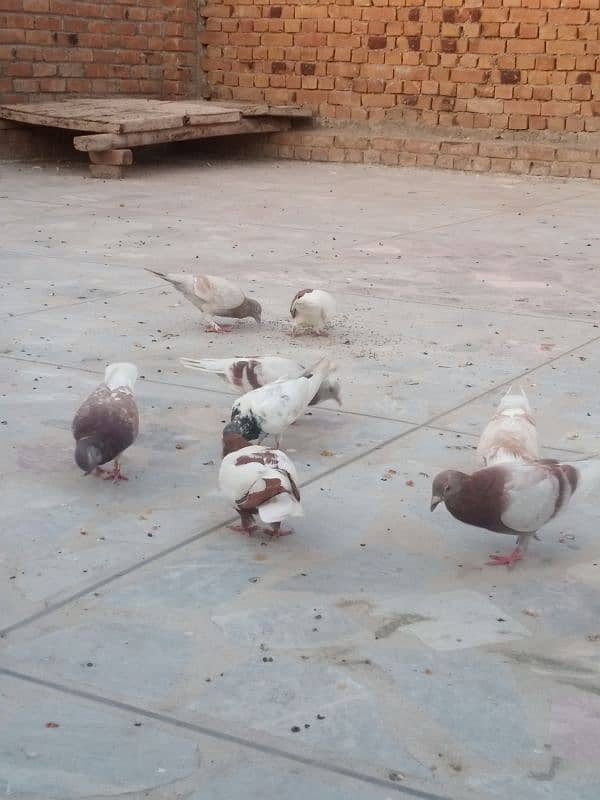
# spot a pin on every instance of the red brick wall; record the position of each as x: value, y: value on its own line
x: 50, y: 48
x: 499, y: 64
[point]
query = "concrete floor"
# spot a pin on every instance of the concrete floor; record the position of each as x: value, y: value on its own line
x: 372, y: 654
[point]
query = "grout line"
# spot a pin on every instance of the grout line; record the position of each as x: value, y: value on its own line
x: 358, y: 457
x: 75, y: 303
x: 339, y: 292
x: 472, y: 435
x: 223, y: 736
x: 438, y: 304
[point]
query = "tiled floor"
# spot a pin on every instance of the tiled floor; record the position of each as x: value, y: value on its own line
x: 373, y: 653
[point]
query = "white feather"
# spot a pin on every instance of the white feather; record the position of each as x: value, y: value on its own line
x: 278, y: 404
x: 120, y: 375
x: 532, y: 492
x: 266, y: 369
x: 237, y: 480
x: 313, y: 310
x: 213, y: 295
x: 511, y: 434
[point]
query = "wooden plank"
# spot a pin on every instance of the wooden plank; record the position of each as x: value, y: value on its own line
x: 110, y: 141
x: 54, y: 120
x: 114, y: 157
x: 160, y: 122
x: 266, y: 110
x: 119, y: 115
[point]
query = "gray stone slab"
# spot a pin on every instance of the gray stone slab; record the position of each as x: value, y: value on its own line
x: 430, y: 669
x: 54, y: 746
x: 563, y: 399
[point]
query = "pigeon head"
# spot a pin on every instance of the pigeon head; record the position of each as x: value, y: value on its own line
x: 232, y: 438
x: 446, y: 486
x: 88, y: 454
x: 253, y: 309
x: 328, y: 390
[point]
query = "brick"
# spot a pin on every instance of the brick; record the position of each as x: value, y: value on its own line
x: 459, y: 148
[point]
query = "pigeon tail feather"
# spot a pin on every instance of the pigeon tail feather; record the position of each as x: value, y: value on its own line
x: 121, y: 374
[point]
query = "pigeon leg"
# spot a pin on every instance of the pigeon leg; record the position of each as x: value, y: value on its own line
x: 516, y: 555
x: 321, y: 333
x: 115, y: 474
x: 214, y: 327
x: 247, y: 525
x: 509, y: 560
x: 99, y: 472
x: 277, y: 530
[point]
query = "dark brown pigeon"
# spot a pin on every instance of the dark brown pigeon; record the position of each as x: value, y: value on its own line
x: 107, y: 422
x: 515, y: 498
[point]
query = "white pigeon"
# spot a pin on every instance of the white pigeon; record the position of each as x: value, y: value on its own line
x: 107, y: 422
x: 511, y: 434
x: 514, y: 497
x: 245, y: 374
x: 260, y: 481
x: 311, y: 309
x: 214, y: 296
x: 272, y: 408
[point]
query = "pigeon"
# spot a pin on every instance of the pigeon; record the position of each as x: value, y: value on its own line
x: 272, y: 408
x: 311, y: 309
x: 215, y: 297
x: 260, y: 481
x: 511, y: 433
x: 107, y: 422
x: 513, y: 497
x: 245, y: 374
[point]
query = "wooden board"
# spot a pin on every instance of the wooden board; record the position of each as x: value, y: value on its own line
x: 265, y: 110
x: 114, y: 141
x: 120, y: 115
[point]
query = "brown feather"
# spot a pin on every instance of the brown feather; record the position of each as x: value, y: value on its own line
x: 253, y: 500
x: 298, y: 295
x: 111, y: 417
x: 482, y: 500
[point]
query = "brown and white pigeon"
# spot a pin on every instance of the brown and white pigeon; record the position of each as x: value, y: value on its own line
x: 107, y: 422
x: 311, y: 309
x: 259, y: 482
x: 214, y: 296
x: 245, y: 374
x: 511, y: 434
x: 272, y: 408
x: 514, y: 498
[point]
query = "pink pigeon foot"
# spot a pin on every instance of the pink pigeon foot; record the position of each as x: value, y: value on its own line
x: 243, y: 529
x: 320, y: 333
x: 115, y: 474
x: 214, y: 327
x: 509, y: 560
x: 99, y: 472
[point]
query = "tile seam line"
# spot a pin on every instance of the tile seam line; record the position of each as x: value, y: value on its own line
x: 222, y: 393
x: 483, y: 215
x: 87, y: 300
x: 213, y: 733
x: 44, y: 612
x: 481, y: 310
x: 342, y: 293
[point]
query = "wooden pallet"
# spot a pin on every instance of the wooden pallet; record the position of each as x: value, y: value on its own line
x: 112, y: 126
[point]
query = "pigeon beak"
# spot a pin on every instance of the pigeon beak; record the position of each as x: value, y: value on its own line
x: 435, y: 501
